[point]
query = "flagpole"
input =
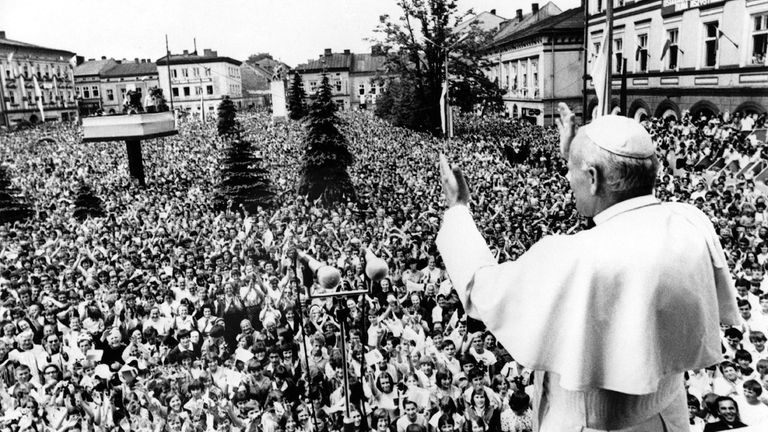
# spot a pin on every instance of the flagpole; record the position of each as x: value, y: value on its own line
x: 609, y: 60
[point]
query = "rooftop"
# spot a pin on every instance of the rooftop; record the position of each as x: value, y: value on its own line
x: 4, y: 41
x: 209, y: 56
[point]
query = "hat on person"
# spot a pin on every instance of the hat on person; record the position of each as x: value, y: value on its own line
x: 622, y: 136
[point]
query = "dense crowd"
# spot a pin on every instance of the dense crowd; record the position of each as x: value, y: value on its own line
x: 168, y: 314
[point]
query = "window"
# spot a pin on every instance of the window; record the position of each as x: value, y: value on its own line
x: 95, y: 91
x: 175, y: 91
x: 338, y: 85
x: 186, y: 91
x: 642, y: 52
x: 312, y: 85
x: 198, y: 91
x: 672, y: 38
x: 110, y: 95
x: 599, y: 5
x: 209, y: 89
x: 86, y: 93
x: 174, y: 73
x: 196, y: 72
x: 361, y: 89
x: 122, y: 94
x: 618, y: 50
x: 710, y: 44
x: 12, y: 98
x: 185, y: 73
x: 760, y: 40
x: 207, y: 72
x: 373, y: 89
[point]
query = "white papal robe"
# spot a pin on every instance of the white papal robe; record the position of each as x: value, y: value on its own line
x: 610, y: 318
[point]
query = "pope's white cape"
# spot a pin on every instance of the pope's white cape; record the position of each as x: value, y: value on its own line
x: 618, y: 307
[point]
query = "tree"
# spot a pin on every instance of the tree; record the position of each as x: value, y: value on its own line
x: 326, y: 155
x: 87, y: 204
x: 12, y: 207
x: 253, y: 59
x: 417, y: 46
x: 244, y: 182
x: 228, y: 126
x: 297, y: 107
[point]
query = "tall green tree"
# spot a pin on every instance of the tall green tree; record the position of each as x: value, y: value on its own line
x: 12, y: 207
x: 326, y: 155
x: 297, y: 106
x: 228, y: 126
x: 87, y: 204
x: 417, y: 46
x: 244, y: 181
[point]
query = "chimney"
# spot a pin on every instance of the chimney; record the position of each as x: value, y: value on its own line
x: 103, y: 57
x: 186, y: 52
x: 2, y: 34
x: 136, y: 60
x: 214, y: 53
x: 534, y: 8
x: 519, y: 14
x: 493, y: 11
x: 346, y: 51
x: 91, y: 59
x: 206, y: 52
x: 328, y: 52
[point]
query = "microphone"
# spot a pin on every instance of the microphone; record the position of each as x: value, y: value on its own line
x: 327, y: 277
x: 375, y: 268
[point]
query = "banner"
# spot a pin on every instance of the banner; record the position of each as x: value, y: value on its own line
x: 601, y: 76
x: 446, y: 117
x: 38, y: 97
x: 278, y: 99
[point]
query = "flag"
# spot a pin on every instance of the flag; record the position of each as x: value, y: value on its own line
x: 38, y: 97
x: 446, y: 120
x: 601, y: 76
x: 56, y: 89
x: 73, y: 61
x: 721, y: 33
x: 665, y: 49
x: 12, y: 65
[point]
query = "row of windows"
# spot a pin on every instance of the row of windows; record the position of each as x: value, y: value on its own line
x: 47, y: 95
x: 187, y: 91
x: 713, y: 38
x: 184, y: 72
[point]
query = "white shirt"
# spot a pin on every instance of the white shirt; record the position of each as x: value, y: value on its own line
x: 594, y: 313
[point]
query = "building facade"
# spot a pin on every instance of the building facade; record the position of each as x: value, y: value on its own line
x: 52, y: 69
x: 703, y: 56
x: 139, y: 75
x: 353, y: 77
x: 537, y: 60
x: 199, y: 82
x: 88, y: 85
x: 256, y: 86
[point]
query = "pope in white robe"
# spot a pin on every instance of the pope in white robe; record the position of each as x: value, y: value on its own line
x: 609, y: 318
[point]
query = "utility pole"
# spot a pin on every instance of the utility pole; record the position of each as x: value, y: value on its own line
x: 168, y: 64
x: 586, y: 52
x: 623, y: 95
x: 609, y: 60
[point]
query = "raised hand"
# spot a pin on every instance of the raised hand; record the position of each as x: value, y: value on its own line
x: 566, y: 125
x: 454, y: 185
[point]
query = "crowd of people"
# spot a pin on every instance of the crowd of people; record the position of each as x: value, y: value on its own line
x: 170, y: 315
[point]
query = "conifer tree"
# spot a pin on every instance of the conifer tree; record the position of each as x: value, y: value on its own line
x: 297, y: 107
x: 326, y: 154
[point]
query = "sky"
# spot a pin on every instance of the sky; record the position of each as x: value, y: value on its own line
x: 291, y: 30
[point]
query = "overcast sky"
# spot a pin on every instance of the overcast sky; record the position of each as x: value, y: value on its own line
x: 292, y: 30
